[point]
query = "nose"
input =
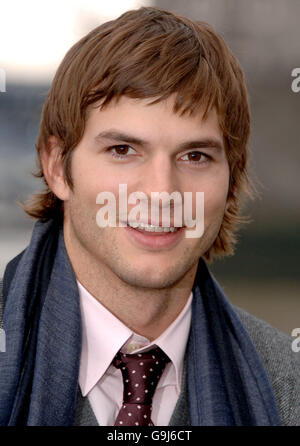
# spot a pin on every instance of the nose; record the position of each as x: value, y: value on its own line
x: 159, y: 179
x: 159, y: 175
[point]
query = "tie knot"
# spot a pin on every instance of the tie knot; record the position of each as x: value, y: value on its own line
x: 141, y: 373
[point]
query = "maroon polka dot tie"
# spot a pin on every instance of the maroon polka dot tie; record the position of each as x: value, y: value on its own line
x: 141, y: 373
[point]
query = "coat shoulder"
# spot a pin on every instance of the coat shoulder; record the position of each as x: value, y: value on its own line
x: 281, y: 363
x: 1, y: 301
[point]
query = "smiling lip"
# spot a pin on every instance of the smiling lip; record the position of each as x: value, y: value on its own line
x: 154, y: 240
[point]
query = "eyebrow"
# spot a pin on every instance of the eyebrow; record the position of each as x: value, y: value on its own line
x: 119, y: 136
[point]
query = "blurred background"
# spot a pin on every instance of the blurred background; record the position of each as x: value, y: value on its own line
x: 263, y: 275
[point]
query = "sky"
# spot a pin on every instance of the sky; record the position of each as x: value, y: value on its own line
x: 35, y: 35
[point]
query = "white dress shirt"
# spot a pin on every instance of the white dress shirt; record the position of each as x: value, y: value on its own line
x: 103, y: 335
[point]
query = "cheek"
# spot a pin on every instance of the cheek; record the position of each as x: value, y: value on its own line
x: 90, y: 179
x: 214, y: 204
x: 215, y: 197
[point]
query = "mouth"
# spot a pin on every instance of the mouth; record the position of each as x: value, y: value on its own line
x: 154, y: 237
x: 149, y: 228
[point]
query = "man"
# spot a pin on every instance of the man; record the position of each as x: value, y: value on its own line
x: 122, y: 324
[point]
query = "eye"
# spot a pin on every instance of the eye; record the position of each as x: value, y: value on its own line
x: 196, y: 157
x: 121, y: 151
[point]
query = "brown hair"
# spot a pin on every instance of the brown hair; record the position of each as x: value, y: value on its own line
x: 148, y: 53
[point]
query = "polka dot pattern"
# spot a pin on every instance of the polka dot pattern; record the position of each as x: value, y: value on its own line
x: 141, y: 373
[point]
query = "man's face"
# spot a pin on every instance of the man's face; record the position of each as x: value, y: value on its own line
x: 150, y: 149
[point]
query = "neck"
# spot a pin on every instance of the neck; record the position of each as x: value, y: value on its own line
x: 146, y: 311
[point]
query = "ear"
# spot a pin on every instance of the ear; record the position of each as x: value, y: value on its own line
x: 53, y: 169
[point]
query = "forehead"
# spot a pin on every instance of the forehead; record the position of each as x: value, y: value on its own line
x: 152, y: 121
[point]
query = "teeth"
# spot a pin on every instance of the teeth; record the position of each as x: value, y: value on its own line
x: 151, y: 228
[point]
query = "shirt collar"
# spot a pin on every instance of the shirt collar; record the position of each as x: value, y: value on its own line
x: 103, y: 335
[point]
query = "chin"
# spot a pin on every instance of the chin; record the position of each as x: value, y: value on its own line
x: 150, y: 282
x: 155, y: 275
